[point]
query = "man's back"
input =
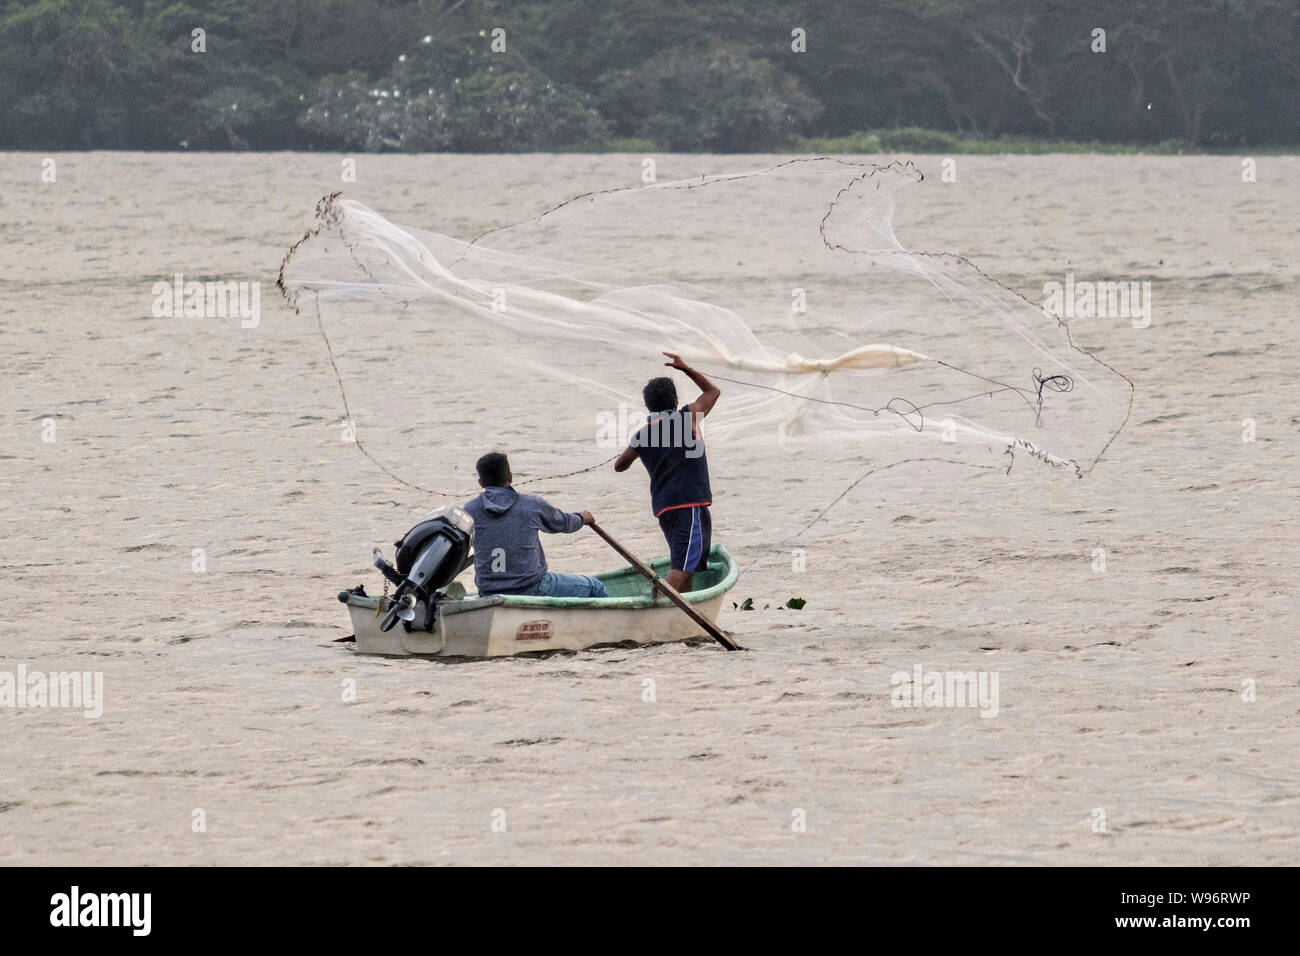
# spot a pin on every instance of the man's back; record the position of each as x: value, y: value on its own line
x: 670, y: 447
x: 508, y: 555
x: 672, y: 450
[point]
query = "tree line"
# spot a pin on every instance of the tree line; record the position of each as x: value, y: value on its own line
x: 727, y: 76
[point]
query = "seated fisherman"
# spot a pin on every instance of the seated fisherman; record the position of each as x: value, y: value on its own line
x: 508, y: 556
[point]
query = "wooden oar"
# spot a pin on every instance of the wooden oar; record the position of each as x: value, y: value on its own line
x: 667, y: 590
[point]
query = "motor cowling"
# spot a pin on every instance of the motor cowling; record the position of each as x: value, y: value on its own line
x: 429, y: 557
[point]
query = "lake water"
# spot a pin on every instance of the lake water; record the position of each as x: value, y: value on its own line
x: 1147, y: 713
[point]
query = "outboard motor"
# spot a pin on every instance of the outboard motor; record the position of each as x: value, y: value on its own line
x: 429, y: 557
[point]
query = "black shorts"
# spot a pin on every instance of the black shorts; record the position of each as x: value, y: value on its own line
x: 689, y: 532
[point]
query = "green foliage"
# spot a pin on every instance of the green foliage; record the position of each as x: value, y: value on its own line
x: 750, y: 105
x: 878, y: 76
x: 452, y: 92
x: 629, y: 144
x: 67, y: 73
x: 351, y: 112
x: 939, y: 142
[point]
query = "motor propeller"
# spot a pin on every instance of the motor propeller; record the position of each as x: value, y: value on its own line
x: 429, y: 556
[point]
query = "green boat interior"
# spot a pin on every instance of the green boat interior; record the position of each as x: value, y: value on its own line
x: 628, y: 588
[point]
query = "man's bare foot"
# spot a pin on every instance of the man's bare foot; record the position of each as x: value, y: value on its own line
x: 680, y: 581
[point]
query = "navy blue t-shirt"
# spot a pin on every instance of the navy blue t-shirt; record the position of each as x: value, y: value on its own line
x: 672, y: 451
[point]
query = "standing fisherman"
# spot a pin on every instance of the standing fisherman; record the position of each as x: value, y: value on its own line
x: 671, y: 448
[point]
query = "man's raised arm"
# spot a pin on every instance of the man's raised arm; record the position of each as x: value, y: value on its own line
x: 709, y: 393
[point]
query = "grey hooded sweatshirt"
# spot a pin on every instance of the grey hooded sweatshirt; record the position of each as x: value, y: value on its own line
x: 508, y: 556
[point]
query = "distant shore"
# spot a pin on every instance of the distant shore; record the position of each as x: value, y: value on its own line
x: 917, y: 140
x: 909, y: 139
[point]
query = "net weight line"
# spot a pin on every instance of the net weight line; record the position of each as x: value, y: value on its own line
x: 347, y: 413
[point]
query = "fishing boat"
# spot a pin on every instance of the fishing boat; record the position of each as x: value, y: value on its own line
x: 430, y: 615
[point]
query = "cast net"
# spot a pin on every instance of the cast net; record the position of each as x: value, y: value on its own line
x: 841, y: 354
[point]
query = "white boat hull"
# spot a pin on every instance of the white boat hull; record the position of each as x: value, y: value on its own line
x: 500, y: 626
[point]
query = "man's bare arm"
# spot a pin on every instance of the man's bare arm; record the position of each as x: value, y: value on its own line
x: 709, y: 393
x: 624, y: 461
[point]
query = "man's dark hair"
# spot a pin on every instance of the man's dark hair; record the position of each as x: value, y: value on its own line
x: 493, y: 469
x: 660, y: 394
